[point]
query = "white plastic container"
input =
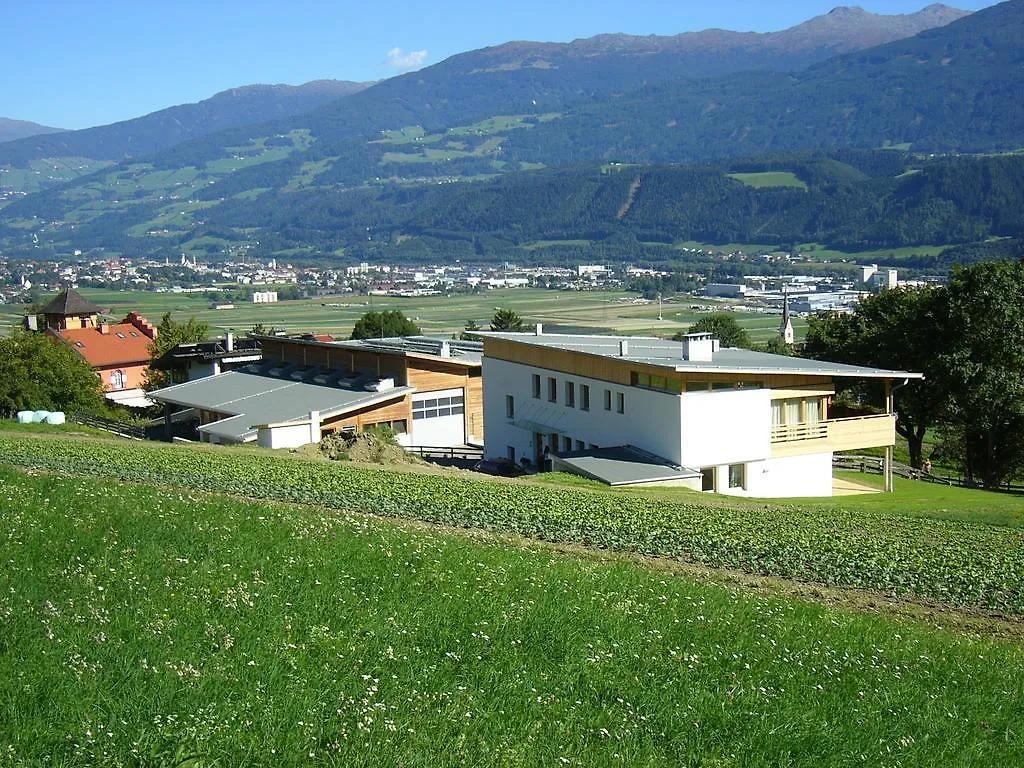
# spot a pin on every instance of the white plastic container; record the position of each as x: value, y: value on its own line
x: 56, y: 417
x: 39, y: 417
x: 25, y: 417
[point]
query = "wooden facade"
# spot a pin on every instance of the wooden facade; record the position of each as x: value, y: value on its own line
x: 622, y: 370
x: 371, y: 415
x: 425, y: 372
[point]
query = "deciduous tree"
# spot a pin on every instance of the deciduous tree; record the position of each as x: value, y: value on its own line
x: 38, y: 373
x: 380, y: 325
x: 724, y: 327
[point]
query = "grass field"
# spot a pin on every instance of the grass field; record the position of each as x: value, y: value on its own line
x: 434, y: 314
x: 152, y: 624
x: 769, y: 179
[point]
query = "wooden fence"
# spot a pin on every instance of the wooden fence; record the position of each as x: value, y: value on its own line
x: 131, y: 431
x: 876, y: 466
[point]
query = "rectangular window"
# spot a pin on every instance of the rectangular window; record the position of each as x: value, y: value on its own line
x: 510, y: 453
x: 536, y: 386
x: 607, y: 399
x: 510, y: 407
x: 737, y: 476
x: 658, y: 382
x: 570, y: 394
x: 553, y: 441
x: 620, y: 402
x: 584, y: 397
x: 777, y: 413
x: 552, y: 389
x: 793, y: 412
x: 696, y: 386
x: 813, y: 411
x: 707, y: 478
x: 399, y: 426
x: 567, y: 444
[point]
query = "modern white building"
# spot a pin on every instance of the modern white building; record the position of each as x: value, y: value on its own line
x: 264, y: 297
x: 630, y: 410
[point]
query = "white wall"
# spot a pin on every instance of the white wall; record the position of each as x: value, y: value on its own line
x: 289, y: 435
x: 440, y: 430
x: 809, y: 475
x: 650, y: 422
x: 726, y: 426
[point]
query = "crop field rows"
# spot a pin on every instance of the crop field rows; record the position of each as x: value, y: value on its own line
x: 951, y: 562
x: 160, y: 625
x: 604, y: 312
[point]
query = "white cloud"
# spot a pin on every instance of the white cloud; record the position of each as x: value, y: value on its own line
x: 410, y: 60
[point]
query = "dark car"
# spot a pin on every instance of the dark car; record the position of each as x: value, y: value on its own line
x: 499, y: 467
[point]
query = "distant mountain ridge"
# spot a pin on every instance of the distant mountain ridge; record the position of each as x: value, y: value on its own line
x: 352, y: 175
x: 843, y: 29
x: 11, y: 130
x: 150, y: 133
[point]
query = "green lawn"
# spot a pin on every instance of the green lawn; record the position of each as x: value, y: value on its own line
x: 147, y: 625
x: 769, y: 179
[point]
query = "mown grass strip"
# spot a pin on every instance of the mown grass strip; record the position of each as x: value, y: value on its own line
x: 951, y: 562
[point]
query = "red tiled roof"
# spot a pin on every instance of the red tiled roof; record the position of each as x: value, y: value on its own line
x: 124, y: 345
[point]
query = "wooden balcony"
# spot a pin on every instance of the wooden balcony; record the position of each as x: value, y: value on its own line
x: 834, y: 435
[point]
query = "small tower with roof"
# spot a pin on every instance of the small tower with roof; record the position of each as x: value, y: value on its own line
x: 786, y: 326
x: 70, y: 309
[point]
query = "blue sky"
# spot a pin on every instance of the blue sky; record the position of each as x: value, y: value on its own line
x: 77, y: 63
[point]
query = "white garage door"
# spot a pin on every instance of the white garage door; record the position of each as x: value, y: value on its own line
x: 438, y: 418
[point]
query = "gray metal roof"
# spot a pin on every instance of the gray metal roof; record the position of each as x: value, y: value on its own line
x: 254, y: 399
x: 622, y: 465
x: 670, y: 354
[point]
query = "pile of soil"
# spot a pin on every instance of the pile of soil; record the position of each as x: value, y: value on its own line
x: 367, y: 448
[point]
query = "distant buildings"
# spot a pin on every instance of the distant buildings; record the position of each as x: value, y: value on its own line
x: 873, y: 279
x: 264, y: 297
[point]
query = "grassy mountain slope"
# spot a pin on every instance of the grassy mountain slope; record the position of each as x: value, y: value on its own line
x: 369, y: 172
x: 955, y: 88
x: 848, y: 200
x: 159, y: 130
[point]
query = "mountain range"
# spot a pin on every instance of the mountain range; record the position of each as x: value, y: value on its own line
x: 952, y: 87
x: 11, y: 130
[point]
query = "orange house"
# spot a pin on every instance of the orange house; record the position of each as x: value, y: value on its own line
x: 117, y: 352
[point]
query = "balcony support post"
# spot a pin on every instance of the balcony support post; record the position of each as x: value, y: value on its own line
x: 889, y: 408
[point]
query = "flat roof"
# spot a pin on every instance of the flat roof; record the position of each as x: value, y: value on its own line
x: 670, y: 354
x: 624, y: 465
x: 468, y: 353
x: 255, y: 398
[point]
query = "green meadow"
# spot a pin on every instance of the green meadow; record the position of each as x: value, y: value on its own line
x: 598, y: 311
x: 769, y: 179
x: 150, y: 623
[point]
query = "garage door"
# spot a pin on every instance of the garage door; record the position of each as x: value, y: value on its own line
x: 438, y: 418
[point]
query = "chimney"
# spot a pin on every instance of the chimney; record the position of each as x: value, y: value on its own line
x: 539, y: 330
x: 105, y: 329
x: 229, y: 342
x: 623, y: 347
x: 446, y: 349
x: 699, y: 347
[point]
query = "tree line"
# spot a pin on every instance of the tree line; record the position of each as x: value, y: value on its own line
x: 967, y: 338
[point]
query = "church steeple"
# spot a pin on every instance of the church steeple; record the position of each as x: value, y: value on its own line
x: 786, y: 326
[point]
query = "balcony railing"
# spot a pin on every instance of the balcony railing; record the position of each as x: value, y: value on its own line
x: 834, y: 434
